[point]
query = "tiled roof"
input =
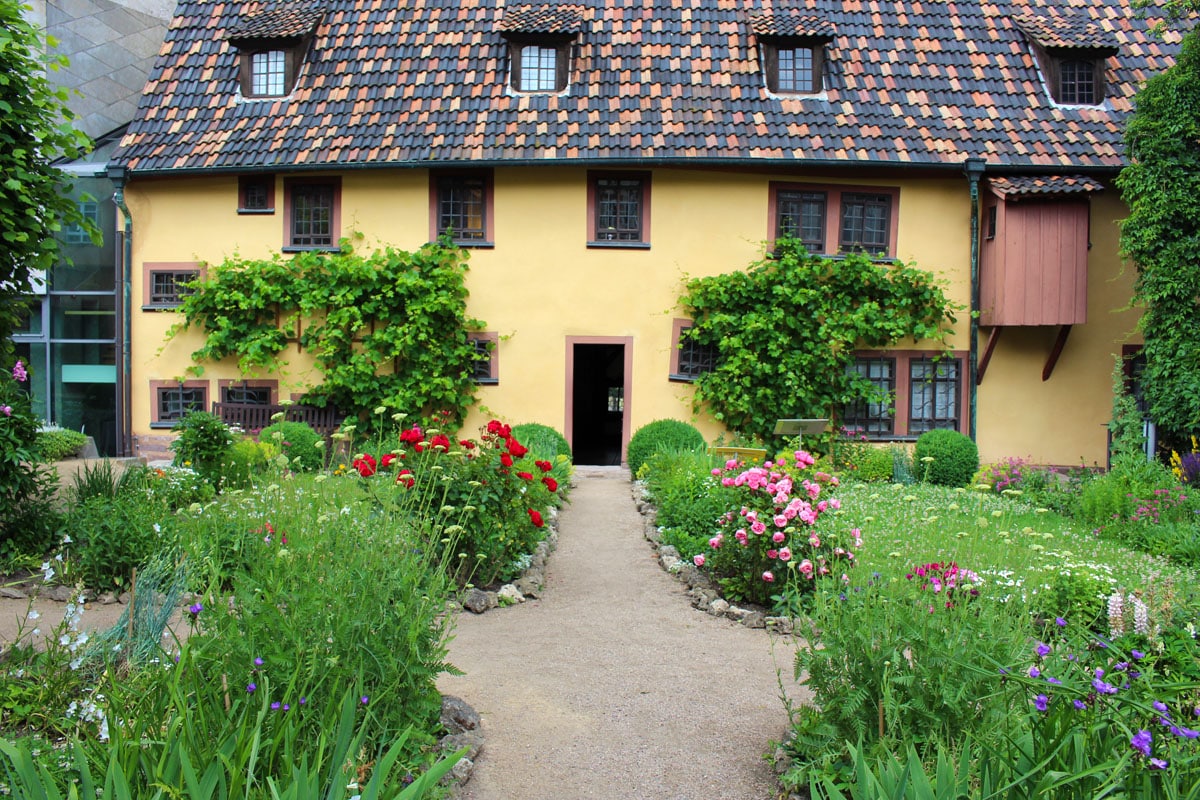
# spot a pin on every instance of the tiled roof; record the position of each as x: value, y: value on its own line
x: 1044, y: 185
x: 276, y: 21
x: 659, y: 81
x: 1068, y: 29
x: 542, y: 19
x: 790, y: 25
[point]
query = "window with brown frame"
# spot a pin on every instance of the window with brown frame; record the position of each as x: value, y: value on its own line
x: 248, y: 392
x: 857, y: 219
x: 461, y: 207
x: 267, y: 68
x: 487, y: 368
x: 619, y: 210
x: 165, y: 284
x: 793, y: 67
x: 921, y: 391
x: 539, y: 64
x: 1077, y: 82
x: 689, y: 358
x: 313, y: 213
x: 256, y: 194
x: 172, y: 400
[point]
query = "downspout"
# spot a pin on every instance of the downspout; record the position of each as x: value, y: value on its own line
x: 974, y: 168
x: 124, y: 250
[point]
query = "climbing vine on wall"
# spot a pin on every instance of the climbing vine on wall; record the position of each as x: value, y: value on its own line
x: 787, y: 326
x: 387, y: 328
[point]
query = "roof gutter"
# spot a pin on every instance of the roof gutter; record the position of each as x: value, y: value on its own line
x: 974, y: 169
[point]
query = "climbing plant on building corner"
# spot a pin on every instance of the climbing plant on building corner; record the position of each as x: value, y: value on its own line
x: 787, y: 326
x: 386, y: 328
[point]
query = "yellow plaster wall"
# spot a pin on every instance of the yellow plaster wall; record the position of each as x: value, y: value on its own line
x: 541, y: 284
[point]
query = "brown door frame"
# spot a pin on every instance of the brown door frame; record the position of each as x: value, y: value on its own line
x: 627, y: 342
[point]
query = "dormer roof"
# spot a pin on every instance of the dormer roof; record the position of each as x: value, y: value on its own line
x: 791, y: 26
x: 1068, y: 29
x: 545, y: 20
x: 276, y: 21
x: 1022, y: 187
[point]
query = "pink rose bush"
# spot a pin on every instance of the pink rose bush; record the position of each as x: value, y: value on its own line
x: 776, y: 533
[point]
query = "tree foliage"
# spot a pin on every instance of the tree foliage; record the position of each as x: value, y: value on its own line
x: 1161, y: 186
x: 35, y: 130
x: 389, y: 328
x: 787, y: 326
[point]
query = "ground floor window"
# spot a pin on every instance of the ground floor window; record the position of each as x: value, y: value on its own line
x: 919, y: 391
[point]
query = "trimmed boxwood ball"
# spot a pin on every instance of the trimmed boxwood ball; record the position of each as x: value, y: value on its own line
x: 662, y: 433
x: 296, y: 440
x: 955, y: 458
x: 542, y: 440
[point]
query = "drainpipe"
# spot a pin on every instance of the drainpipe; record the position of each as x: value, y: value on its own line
x: 124, y: 251
x: 974, y: 168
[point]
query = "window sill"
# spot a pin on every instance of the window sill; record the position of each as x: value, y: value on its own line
x: 162, y: 426
x: 487, y: 381
x: 619, y: 245
x: 255, y: 212
x: 161, y: 307
x: 320, y: 248
x: 674, y: 378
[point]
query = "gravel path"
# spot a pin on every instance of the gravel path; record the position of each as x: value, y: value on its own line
x: 611, y: 685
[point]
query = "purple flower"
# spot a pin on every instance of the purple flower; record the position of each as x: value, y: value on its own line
x: 1138, y: 655
x: 6, y: 410
x: 275, y: 706
x: 250, y: 687
x: 258, y: 662
x: 1034, y: 672
x: 1141, y: 742
x: 1157, y: 763
x: 19, y: 372
x: 1102, y: 687
x: 1040, y: 702
x: 365, y: 699
x: 1060, y: 622
x: 303, y: 701
x: 1054, y: 681
x: 1079, y: 705
x: 287, y: 707
x: 1184, y: 733
x: 1043, y: 650
x: 195, y: 608
x: 1160, y: 706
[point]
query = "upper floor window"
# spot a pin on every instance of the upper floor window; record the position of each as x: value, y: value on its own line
x: 313, y: 213
x: 271, y: 44
x: 831, y: 220
x: 256, y: 194
x: 619, y: 209
x: 793, y: 69
x: 266, y: 73
x: 461, y: 208
x: 166, y: 284
x: 539, y: 45
x: 1077, y: 82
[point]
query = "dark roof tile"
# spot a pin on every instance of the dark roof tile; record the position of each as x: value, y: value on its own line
x: 1043, y: 185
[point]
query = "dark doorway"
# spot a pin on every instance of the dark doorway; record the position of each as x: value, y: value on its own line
x: 597, y: 403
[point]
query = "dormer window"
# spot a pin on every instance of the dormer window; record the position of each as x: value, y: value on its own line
x: 267, y: 73
x: 271, y: 46
x: 792, y: 49
x: 540, y: 40
x: 1071, y: 51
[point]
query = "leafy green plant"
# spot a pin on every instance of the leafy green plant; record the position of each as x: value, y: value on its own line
x: 659, y: 435
x: 689, y: 503
x: 387, y: 327
x: 542, y: 440
x: 55, y: 444
x: 302, y: 446
x: 27, y: 518
x: 945, y: 457
x: 786, y: 329
x: 113, y: 537
x: 202, y: 442
x: 245, y: 459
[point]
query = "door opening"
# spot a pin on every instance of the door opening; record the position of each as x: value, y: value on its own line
x: 598, y: 403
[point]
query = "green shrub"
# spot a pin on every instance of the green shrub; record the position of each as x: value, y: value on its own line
x: 542, y: 440
x: 245, y: 459
x: 303, y: 447
x: 55, y: 444
x: 658, y: 435
x: 1079, y: 595
x: 27, y: 520
x: 202, y: 442
x: 876, y: 465
x: 687, y: 500
x: 945, y: 458
x: 110, y: 537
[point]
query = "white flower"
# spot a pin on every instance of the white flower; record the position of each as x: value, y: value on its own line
x: 34, y: 613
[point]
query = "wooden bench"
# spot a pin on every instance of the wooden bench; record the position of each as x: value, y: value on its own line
x: 252, y: 417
